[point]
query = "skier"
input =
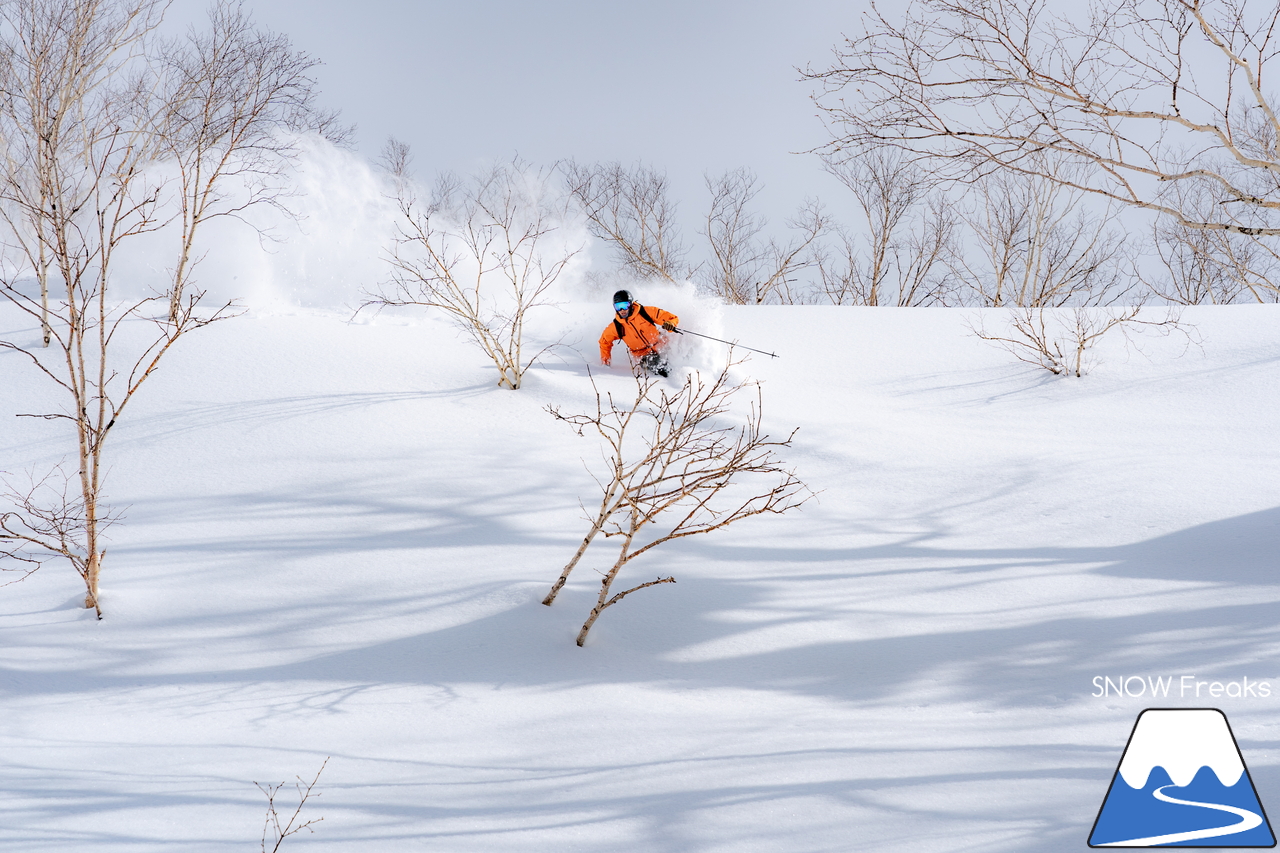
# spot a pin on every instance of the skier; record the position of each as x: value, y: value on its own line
x: 640, y: 328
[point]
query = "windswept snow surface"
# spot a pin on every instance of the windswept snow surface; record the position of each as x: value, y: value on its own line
x: 337, y: 536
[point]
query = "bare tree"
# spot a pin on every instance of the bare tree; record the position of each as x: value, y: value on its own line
x: 1212, y: 266
x: 230, y: 100
x: 1140, y: 97
x: 84, y: 141
x: 1039, y: 246
x: 748, y: 269
x: 397, y: 158
x: 630, y: 208
x: 910, y: 233
x: 73, y: 189
x: 55, y: 59
x: 672, y: 468
x: 485, y: 251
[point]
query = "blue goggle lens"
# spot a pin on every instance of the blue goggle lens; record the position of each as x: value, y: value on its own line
x: 621, y: 306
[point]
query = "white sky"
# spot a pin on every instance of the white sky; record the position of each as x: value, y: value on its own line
x: 689, y: 87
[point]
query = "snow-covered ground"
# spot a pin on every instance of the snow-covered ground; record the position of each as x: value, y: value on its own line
x: 338, y: 535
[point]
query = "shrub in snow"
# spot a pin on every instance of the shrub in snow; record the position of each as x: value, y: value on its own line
x: 486, y: 251
x: 673, y: 468
x: 1061, y: 340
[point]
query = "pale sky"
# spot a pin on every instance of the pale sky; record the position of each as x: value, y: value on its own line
x: 689, y: 87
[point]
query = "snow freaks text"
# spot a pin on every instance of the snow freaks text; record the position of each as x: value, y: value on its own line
x: 1180, y: 686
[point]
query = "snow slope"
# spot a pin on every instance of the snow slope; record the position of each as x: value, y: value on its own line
x: 338, y: 534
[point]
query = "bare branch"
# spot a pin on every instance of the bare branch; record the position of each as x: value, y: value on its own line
x: 272, y: 831
x: 1122, y: 101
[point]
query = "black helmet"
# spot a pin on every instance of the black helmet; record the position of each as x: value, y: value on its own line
x: 621, y: 296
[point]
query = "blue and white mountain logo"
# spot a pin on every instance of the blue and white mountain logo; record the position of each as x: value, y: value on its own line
x: 1181, y: 783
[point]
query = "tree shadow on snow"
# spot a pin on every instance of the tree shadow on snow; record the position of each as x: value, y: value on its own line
x: 742, y: 618
x: 755, y: 630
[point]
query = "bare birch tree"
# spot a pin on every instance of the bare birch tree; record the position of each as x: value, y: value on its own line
x: 1124, y: 100
x: 630, y: 208
x: 1211, y: 266
x: 1037, y: 245
x: 84, y: 142
x: 910, y: 234
x: 485, y: 251
x: 747, y: 268
x: 396, y: 157
x: 673, y: 468
x: 229, y: 102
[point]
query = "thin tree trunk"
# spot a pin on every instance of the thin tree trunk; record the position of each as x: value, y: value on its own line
x: 92, y: 567
x: 601, y: 520
x: 564, y: 576
x: 46, y: 331
x: 602, y: 601
x: 93, y: 562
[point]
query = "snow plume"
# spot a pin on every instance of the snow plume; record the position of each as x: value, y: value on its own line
x: 696, y: 312
x: 332, y: 243
x: 586, y: 314
x: 328, y: 243
x: 339, y: 244
x: 348, y: 219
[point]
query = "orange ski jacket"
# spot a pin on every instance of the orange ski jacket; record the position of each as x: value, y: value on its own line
x: 641, y: 332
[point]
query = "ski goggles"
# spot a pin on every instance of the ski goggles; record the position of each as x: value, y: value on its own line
x: 621, y: 306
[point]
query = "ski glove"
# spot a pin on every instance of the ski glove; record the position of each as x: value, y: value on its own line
x: 670, y: 327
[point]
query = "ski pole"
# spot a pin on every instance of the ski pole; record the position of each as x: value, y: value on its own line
x: 679, y: 331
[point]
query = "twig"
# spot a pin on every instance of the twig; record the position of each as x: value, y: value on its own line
x: 272, y: 823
